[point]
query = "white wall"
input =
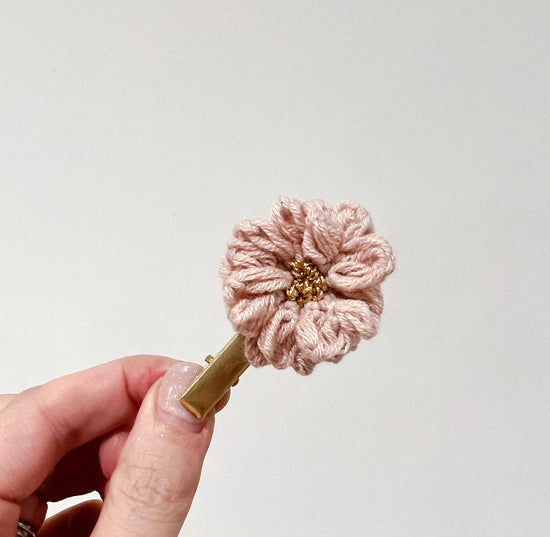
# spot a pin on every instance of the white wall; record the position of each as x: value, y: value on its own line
x: 133, y: 136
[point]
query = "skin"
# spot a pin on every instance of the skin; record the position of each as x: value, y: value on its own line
x: 100, y: 429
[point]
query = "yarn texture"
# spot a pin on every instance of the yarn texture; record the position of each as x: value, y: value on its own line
x: 258, y: 282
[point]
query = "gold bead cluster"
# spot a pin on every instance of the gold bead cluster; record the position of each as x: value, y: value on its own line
x: 309, y: 284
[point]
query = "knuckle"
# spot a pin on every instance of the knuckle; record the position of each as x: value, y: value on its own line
x: 151, y: 491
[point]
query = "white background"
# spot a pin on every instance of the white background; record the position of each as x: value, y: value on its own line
x: 134, y: 135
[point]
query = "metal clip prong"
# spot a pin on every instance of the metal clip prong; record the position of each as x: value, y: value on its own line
x: 222, y: 372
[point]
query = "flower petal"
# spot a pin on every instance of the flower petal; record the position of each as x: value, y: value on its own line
x: 254, y: 239
x: 323, y: 234
x: 354, y: 316
x: 258, y: 280
x: 249, y: 315
x: 320, y: 337
x: 367, y: 267
x: 356, y: 222
x: 286, y: 227
x: 276, y: 342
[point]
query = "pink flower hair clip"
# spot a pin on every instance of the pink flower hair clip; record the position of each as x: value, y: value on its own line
x: 300, y: 288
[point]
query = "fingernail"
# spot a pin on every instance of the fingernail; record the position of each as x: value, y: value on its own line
x: 174, y: 383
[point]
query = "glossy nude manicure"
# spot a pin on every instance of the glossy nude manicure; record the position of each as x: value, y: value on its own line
x: 174, y: 383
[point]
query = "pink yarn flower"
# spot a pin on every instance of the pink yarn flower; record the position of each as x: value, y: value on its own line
x: 336, y: 307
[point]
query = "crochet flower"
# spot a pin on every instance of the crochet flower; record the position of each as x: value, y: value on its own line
x: 303, y: 286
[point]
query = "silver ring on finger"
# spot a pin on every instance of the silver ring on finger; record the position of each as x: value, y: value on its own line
x: 25, y: 530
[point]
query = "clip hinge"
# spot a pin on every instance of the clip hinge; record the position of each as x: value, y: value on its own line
x: 222, y: 372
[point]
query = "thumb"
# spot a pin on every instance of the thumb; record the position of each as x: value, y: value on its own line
x: 152, y: 487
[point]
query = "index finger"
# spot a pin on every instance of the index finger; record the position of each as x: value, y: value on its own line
x: 5, y: 398
x: 42, y: 424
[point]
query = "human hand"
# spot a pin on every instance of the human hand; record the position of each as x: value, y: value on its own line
x: 117, y: 428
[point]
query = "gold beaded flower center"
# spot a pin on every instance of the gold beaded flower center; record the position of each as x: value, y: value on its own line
x: 309, y: 283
